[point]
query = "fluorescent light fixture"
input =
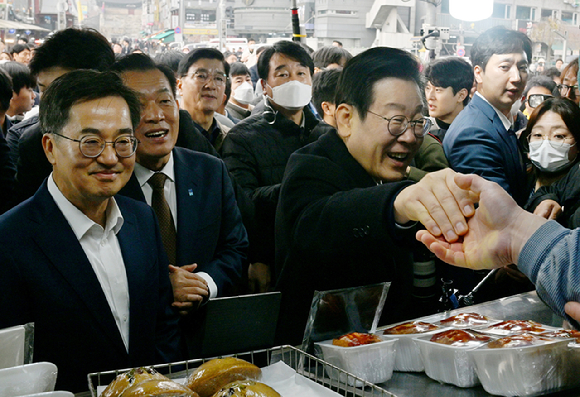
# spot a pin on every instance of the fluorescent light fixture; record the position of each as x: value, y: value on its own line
x: 471, y: 10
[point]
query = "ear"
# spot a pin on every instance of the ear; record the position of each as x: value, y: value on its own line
x: 179, y: 91
x: 317, y: 69
x: 327, y: 108
x: 49, y: 147
x: 478, y: 72
x: 462, y: 94
x: 344, y: 115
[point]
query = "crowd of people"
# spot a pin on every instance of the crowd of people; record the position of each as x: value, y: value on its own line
x: 140, y: 187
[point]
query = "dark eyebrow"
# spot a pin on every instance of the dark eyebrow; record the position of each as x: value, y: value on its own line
x: 95, y: 131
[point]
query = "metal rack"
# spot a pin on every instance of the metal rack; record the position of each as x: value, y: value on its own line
x: 303, y: 363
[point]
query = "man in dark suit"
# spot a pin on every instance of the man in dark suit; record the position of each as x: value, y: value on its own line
x: 210, y: 236
x: 481, y: 139
x: 86, y: 267
x: 345, y: 213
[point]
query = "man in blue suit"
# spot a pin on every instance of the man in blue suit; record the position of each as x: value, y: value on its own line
x: 210, y: 236
x: 86, y: 267
x: 482, y: 140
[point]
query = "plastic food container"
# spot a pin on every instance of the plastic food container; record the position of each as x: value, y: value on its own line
x: 448, y: 363
x: 512, y: 327
x: 373, y: 362
x: 467, y: 320
x: 27, y: 379
x: 522, y: 371
x: 12, y: 346
x: 408, y: 356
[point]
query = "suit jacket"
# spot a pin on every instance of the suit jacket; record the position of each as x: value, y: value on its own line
x: 335, y: 228
x: 478, y: 143
x: 210, y: 231
x: 46, y: 278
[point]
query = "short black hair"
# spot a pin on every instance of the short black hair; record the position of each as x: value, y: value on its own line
x: 567, y: 109
x: 337, y: 42
x: 201, y: 53
x: 358, y: 78
x: 20, y: 75
x: 5, y: 90
x: 551, y: 72
x: 18, y: 48
x: 288, y: 48
x: 81, y: 86
x: 170, y: 59
x: 452, y: 72
x: 73, y: 49
x: 239, y: 69
x: 330, y: 54
x: 261, y: 49
x: 25, y: 39
x: 228, y: 90
x: 540, y: 81
x: 324, y: 86
x: 142, y: 63
x: 499, y: 40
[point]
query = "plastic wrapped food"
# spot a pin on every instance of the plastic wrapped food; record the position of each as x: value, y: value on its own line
x: 158, y: 388
x: 212, y: 375
x: 563, y: 333
x: 408, y: 356
x: 520, y: 340
x: 246, y: 388
x: 355, y: 339
x: 465, y: 320
x: 411, y: 327
x: 458, y: 337
x: 127, y: 379
x: 514, y: 326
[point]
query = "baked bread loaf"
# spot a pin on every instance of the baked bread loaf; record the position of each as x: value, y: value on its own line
x: 127, y: 379
x: 212, y: 375
x: 246, y: 388
x: 158, y: 388
x: 356, y: 339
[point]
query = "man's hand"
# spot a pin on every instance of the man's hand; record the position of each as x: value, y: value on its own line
x: 573, y: 310
x: 259, y: 278
x: 548, y: 209
x: 438, y: 203
x: 189, y: 289
x: 497, y: 232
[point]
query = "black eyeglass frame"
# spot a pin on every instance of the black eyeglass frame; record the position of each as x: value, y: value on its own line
x: 426, y: 127
x: 134, y: 140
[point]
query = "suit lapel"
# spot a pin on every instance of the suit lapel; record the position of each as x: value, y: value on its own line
x: 57, y: 240
x: 133, y: 190
x: 188, y: 190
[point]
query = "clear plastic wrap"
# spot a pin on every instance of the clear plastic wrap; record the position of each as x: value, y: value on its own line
x: 27, y: 379
x: 373, y: 362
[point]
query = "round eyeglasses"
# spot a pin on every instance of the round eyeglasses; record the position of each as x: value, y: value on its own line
x: 92, y: 146
x: 568, y: 89
x: 399, y: 124
x: 556, y: 141
x: 203, y: 77
x: 536, y: 99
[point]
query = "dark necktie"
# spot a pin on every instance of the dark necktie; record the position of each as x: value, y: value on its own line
x: 161, y: 208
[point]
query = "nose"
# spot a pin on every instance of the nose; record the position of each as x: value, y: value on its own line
x: 429, y: 93
x: 108, y: 156
x: 408, y: 136
x: 152, y: 113
x: 516, y: 74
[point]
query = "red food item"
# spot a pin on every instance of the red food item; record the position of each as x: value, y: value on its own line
x: 517, y: 341
x: 411, y: 327
x: 457, y: 337
x: 519, y: 325
x: 355, y: 339
x: 563, y: 333
x: 466, y: 319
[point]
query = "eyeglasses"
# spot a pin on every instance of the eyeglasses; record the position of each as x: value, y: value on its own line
x: 565, y: 89
x: 399, y: 124
x: 203, y: 77
x: 557, y: 141
x: 536, y: 99
x: 92, y: 146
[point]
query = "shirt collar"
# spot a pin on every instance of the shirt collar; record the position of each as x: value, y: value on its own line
x: 143, y: 174
x: 213, y: 132
x: 504, y: 120
x: 78, y: 221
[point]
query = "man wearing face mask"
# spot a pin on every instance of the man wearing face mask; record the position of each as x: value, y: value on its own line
x: 257, y: 149
x: 239, y: 105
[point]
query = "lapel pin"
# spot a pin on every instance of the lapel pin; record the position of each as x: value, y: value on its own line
x: 190, y: 192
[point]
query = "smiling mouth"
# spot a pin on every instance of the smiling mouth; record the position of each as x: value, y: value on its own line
x: 156, y: 134
x: 398, y: 156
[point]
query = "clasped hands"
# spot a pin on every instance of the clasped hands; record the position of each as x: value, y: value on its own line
x: 189, y: 289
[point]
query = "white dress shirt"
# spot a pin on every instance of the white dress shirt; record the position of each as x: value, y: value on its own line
x: 143, y: 174
x: 103, y: 252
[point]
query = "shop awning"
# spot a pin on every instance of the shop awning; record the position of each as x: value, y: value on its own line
x: 166, y: 37
x: 4, y: 24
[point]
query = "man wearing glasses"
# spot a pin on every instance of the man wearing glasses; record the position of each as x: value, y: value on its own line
x: 537, y: 90
x: 569, y: 87
x: 202, y: 85
x: 346, y: 215
x: 86, y: 266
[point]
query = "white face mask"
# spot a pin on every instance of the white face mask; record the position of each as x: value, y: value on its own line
x: 244, y: 94
x: 292, y: 95
x: 548, y: 158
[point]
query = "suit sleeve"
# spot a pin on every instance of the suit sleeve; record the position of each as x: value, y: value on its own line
x: 14, y: 300
x: 474, y: 151
x: 550, y: 259
x: 231, y: 252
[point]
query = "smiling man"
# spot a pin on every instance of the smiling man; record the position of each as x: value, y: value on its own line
x: 481, y: 139
x: 344, y: 214
x: 86, y: 266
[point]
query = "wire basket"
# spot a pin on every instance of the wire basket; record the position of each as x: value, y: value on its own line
x: 303, y: 363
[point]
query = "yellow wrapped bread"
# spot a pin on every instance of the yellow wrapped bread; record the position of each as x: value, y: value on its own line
x: 158, y: 388
x: 127, y: 379
x: 212, y: 375
x: 246, y: 388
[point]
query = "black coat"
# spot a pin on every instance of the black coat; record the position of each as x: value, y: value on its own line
x: 335, y: 228
x: 256, y: 151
